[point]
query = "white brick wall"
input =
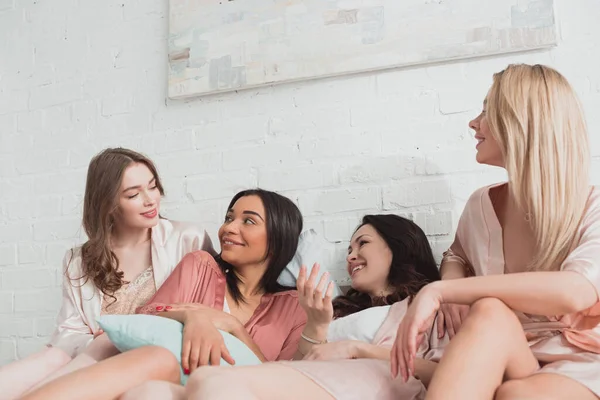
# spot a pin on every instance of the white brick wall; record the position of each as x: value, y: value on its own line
x: 78, y: 76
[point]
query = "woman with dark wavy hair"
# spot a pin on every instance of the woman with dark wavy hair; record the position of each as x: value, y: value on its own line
x: 345, y: 346
x: 129, y: 253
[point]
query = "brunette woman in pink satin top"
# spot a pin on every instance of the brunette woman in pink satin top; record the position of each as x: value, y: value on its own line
x: 237, y: 293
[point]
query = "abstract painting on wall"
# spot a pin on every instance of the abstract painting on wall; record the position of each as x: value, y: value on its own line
x: 224, y: 45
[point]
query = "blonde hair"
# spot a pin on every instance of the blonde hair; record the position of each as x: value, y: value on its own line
x: 537, y: 119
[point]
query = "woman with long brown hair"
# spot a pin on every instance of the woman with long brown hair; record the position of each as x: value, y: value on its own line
x: 129, y: 253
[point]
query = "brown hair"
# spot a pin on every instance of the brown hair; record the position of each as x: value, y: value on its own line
x: 413, y: 265
x: 103, y: 184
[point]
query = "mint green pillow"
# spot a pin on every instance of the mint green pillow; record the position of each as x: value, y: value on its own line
x: 129, y: 332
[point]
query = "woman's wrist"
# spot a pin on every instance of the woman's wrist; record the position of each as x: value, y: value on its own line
x: 316, y: 332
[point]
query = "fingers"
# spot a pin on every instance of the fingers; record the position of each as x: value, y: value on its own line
x: 328, y: 297
x: 451, y: 324
x: 310, y: 282
x: 318, y: 294
x: 185, y: 354
x: 215, y: 355
x: 204, y: 355
x: 440, y: 324
x: 394, y: 360
x: 226, y: 355
x: 301, y: 281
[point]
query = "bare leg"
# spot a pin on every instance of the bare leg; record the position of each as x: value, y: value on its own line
x: 544, y: 387
x: 100, y: 349
x: 489, y: 347
x: 265, y: 382
x: 155, y: 390
x: 18, y: 377
x: 110, y: 378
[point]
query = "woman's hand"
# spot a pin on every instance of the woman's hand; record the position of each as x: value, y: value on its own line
x: 220, y: 319
x: 202, y: 343
x: 343, y: 350
x: 417, y: 321
x: 318, y: 308
x: 450, y: 319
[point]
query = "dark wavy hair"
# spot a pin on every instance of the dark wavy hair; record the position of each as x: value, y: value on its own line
x: 413, y: 265
x: 100, y: 209
x: 284, y: 225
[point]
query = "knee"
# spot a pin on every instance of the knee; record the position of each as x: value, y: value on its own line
x: 150, y: 390
x: 56, y: 357
x: 513, y: 390
x: 492, y: 311
x: 207, y: 383
x: 161, y: 363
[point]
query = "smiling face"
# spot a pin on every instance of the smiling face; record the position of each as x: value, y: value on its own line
x: 243, y: 235
x: 488, y: 150
x: 369, y: 261
x: 139, y: 198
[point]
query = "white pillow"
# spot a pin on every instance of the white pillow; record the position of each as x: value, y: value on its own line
x: 362, y: 326
x: 311, y: 249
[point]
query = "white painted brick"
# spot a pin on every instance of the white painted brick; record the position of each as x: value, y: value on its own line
x: 339, y: 200
x: 356, y: 144
x: 61, y: 229
x: 13, y: 101
x: 434, y: 223
x: 31, y: 121
x: 57, y: 119
x: 40, y: 300
x: 206, y: 211
x: 411, y: 194
x: 71, y: 204
x: 189, y: 163
x: 251, y: 129
x: 340, y: 230
x: 16, y: 232
x: 55, y: 252
x: 8, y: 351
x: 27, y: 278
x: 6, y: 5
x: 117, y: 104
x: 180, y: 115
x: 374, y: 170
x: 42, y: 161
x: 6, y: 302
x: 223, y: 185
x: 15, y: 143
x: 272, y: 154
x: 32, y: 207
x: 300, y: 177
x: 595, y: 171
x: 29, y: 346
x: 8, y: 254
x: 31, y: 253
x: 448, y: 162
x: 55, y: 93
x: 7, y: 166
x: 173, y: 141
x: 133, y: 123
x: 17, y: 327
x: 62, y: 183
x: 45, y: 326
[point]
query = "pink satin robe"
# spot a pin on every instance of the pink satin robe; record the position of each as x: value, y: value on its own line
x: 275, y: 326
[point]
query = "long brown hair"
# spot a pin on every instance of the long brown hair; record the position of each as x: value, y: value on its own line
x: 413, y: 265
x: 100, y: 209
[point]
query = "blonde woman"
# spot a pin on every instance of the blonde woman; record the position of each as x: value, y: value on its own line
x: 533, y: 244
x: 129, y: 253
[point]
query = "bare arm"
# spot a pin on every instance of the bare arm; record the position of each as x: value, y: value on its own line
x: 540, y: 293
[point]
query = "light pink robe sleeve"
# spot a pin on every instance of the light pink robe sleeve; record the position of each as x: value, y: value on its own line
x: 290, y: 345
x: 73, y: 332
